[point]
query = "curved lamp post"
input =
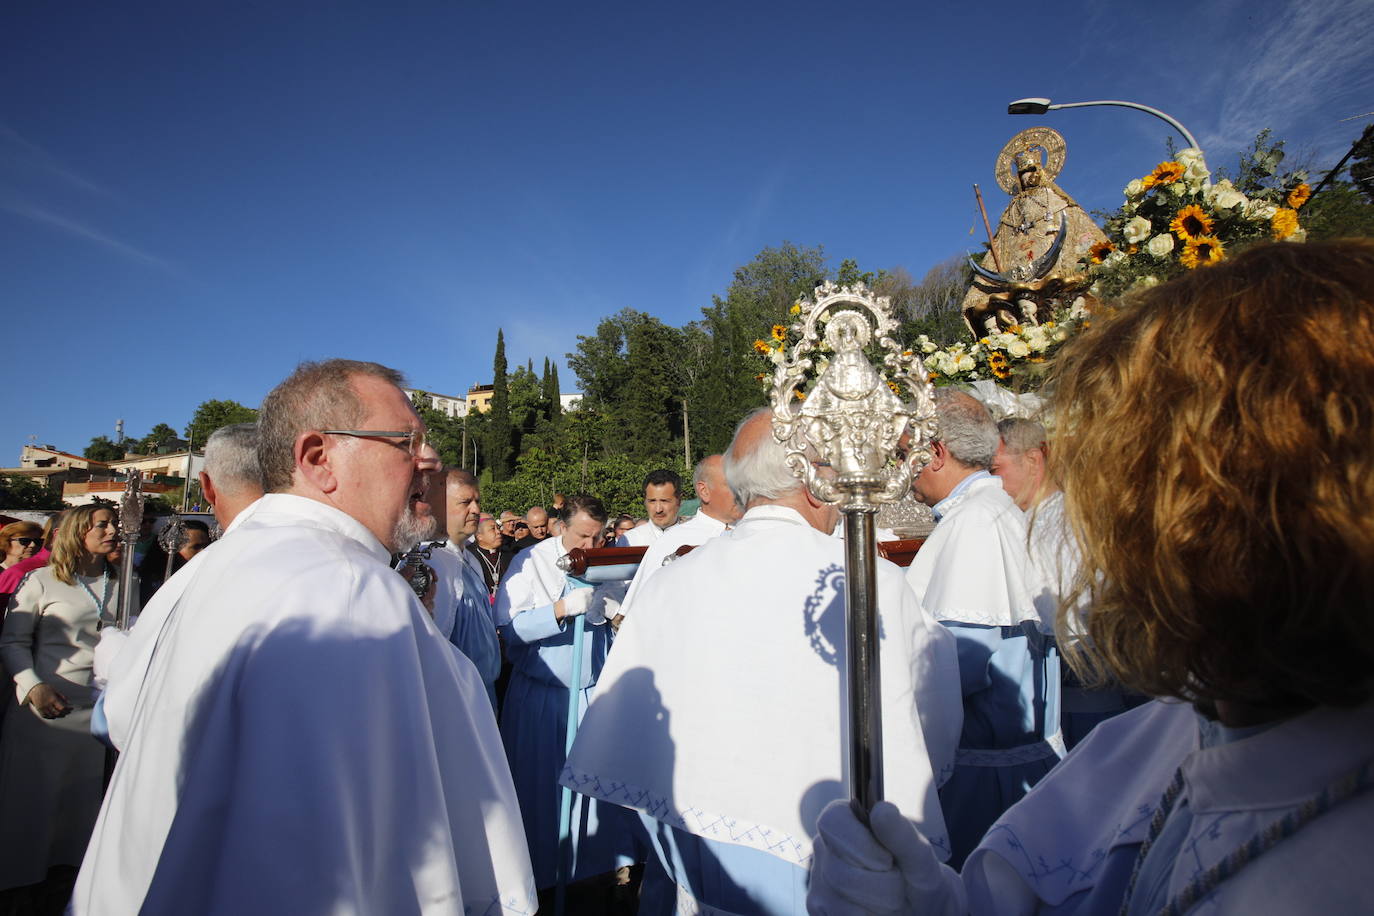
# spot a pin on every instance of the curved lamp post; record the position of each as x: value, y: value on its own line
x: 1040, y: 106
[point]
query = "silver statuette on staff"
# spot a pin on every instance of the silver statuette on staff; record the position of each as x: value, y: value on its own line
x: 130, y: 520
x: 856, y: 416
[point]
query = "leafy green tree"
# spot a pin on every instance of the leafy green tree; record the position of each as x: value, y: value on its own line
x: 211, y: 415
x: 26, y: 493
x: 760, y: 296
x: 102, y: 449
x: 499, y: 424
x: 160, y: 435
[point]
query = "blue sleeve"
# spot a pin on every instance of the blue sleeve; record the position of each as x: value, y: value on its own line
x: 531, y: 626
x: 976, y: 645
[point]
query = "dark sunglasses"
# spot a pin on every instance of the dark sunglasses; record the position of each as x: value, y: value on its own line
x: 28, y: 542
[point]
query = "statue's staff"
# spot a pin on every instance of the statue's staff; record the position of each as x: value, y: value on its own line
x: 856, y: 439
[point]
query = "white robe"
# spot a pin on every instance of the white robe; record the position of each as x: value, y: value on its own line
x: 721, y: 711
x: 643, y: 535
x: 696, y: 531
x: 304, y: 742
x: 123, y: 672
x: 974, y: 567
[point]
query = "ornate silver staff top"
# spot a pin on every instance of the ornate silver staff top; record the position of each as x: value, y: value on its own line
x: 130, y: 520
x: 857, y: 442
x: 851, y: 417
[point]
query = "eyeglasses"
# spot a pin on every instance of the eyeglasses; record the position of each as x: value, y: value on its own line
x: 415, y: 438
x: 28, y: 542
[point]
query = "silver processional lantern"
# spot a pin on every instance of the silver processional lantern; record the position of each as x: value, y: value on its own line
x: 856, y: 416
x: 130, y: 520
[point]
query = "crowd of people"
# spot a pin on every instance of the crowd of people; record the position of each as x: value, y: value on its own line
x: 1129, y: 670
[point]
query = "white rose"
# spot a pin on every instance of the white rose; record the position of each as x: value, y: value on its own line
x: 1019, y: 348
x: 1038, y: 338
x: 1260, y: 210
x: 1135, y: 188
x: 927, y: 347
x: 1194, y: 165
x: 1147, y: 282
x: 1160, y: 245
x: 1061, y: 335
x: 1137, y: 230
x: 1115, y: 258
x: 1224, y: 196
x: 1178, y: 189
x: 964, y: 363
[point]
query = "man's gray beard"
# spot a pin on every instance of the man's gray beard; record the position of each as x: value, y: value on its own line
x: 411, y: 529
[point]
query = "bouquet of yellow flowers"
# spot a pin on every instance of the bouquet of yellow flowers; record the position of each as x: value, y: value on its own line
x: 1176, y: 219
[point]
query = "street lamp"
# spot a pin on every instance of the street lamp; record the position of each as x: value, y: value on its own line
x: 1040, y: 106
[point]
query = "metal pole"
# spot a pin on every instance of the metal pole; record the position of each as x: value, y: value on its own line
x: 1192, y: 141
x: 865, y: 760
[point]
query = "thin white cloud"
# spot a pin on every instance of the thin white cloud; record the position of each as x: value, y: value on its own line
x: 79, y: 230
x: 1305, y: 60
x: 25, y: 151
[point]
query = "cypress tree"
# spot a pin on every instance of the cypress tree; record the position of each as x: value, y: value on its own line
x: 498, y: 438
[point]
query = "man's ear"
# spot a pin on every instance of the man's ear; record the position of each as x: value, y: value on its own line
x: 207, y: 489
x: 938, y: 455
x: 313, y: 462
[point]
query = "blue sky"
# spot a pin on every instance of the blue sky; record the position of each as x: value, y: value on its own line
x: 196, y: 196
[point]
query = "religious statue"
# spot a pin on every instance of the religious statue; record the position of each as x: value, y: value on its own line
x: 1033, y: 263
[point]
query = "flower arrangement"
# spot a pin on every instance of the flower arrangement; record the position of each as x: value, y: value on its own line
x: 1015, y: 358
x: 1176, y: 219
x: 772, y: 351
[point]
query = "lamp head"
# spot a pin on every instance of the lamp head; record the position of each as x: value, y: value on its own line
x: 1029, y: 106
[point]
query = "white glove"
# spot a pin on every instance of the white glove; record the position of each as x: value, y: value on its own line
x: 576, y: 602
x: 112, y: 639
x: 606, y: 599
x: 889, y: 869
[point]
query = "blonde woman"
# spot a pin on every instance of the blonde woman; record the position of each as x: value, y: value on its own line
x: 50, y: 766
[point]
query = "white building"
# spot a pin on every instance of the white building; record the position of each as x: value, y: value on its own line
x: 446, y: 404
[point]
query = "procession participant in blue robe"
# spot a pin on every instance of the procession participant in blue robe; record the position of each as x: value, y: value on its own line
x: 1213, y: 440
x: 974, y: 575
x: 462, y: 609
x: 729, y: 748
x: 534, y: 610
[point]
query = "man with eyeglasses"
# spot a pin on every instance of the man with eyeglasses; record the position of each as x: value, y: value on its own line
x: 300, y: 745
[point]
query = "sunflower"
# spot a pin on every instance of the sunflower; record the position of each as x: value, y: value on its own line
x: 896, y: 389
x: 1284, y: 222
x: 762, y: 347
x: 997, y: 362
x: 761, y: 377
x: 795, y: 309
x: 1201, y: 252
x: 1299, y: 196
x: 1148, y: 182
x: 1166, y: 173
x: 1191, y: 223
x: 801, y: 396
x: 779, y: 333
x: 1100, y: 250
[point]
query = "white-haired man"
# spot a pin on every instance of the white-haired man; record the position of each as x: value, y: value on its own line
x: 730, y: 748
x: 298, y: 746
x: 974, y: 574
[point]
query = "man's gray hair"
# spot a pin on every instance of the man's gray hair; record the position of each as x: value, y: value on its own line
x: 231, y: 458
x: 1021, y: 435
x: 315, y: 396
x: 966, y: 428
x: 762, y: 471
